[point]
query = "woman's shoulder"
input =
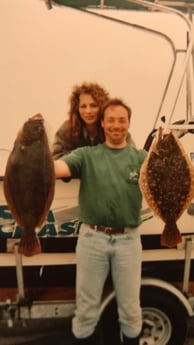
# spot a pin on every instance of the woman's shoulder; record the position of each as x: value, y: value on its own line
x: 130, y: 140
x: 64, y: 127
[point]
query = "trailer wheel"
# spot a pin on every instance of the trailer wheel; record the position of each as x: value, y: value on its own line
x: 164, y: 319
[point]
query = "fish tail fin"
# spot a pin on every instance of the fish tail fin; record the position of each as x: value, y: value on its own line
x: 29, y: 245
x: 171, y: 235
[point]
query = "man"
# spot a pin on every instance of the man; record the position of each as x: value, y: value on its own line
x: 110, y: 203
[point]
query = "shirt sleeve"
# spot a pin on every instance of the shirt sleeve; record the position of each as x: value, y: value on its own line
x: 75, y: 161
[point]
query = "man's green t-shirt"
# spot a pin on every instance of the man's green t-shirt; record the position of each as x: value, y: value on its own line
x: 109, y: 192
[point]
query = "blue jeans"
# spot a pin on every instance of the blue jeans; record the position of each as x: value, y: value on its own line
x: 96, y: 254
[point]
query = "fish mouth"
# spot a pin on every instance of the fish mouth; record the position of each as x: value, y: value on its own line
x: 35, y: 117
x: 162, y: 134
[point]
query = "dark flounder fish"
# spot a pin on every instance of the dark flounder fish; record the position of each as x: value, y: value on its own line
x: 29, y: 182
x: 167, y: 183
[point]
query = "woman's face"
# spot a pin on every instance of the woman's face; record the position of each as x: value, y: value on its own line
x: 88, y: 109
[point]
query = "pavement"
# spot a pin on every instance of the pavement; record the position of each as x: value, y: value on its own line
x: 190, y: 338
x: 55, y: 333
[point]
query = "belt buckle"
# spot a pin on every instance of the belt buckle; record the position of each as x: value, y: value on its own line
x: 107, y: 230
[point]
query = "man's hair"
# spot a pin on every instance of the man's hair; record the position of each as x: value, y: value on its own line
x: 114, y: 102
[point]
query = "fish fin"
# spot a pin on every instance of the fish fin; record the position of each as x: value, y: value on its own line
x: 29, y: 246
x: 171, y: 235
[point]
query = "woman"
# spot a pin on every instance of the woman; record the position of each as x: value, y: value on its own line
x: 83, y: 127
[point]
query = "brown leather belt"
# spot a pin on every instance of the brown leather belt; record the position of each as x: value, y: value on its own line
x: 107, y: 229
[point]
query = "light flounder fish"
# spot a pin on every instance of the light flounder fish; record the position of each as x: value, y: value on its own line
x: 29, y: 182
x: 167, y: 183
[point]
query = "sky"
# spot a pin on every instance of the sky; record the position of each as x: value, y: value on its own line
x: 44, y: 53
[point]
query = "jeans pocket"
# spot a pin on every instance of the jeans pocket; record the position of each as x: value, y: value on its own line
x: 85, y: 231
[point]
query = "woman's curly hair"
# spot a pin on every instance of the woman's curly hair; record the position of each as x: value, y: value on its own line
x: 75, y: 124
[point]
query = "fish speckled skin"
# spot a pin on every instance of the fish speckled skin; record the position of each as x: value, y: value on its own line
x: 29, y: 182
x: 167, y: 183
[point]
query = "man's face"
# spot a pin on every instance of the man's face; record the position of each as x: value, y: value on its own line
x: 116, y: 125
